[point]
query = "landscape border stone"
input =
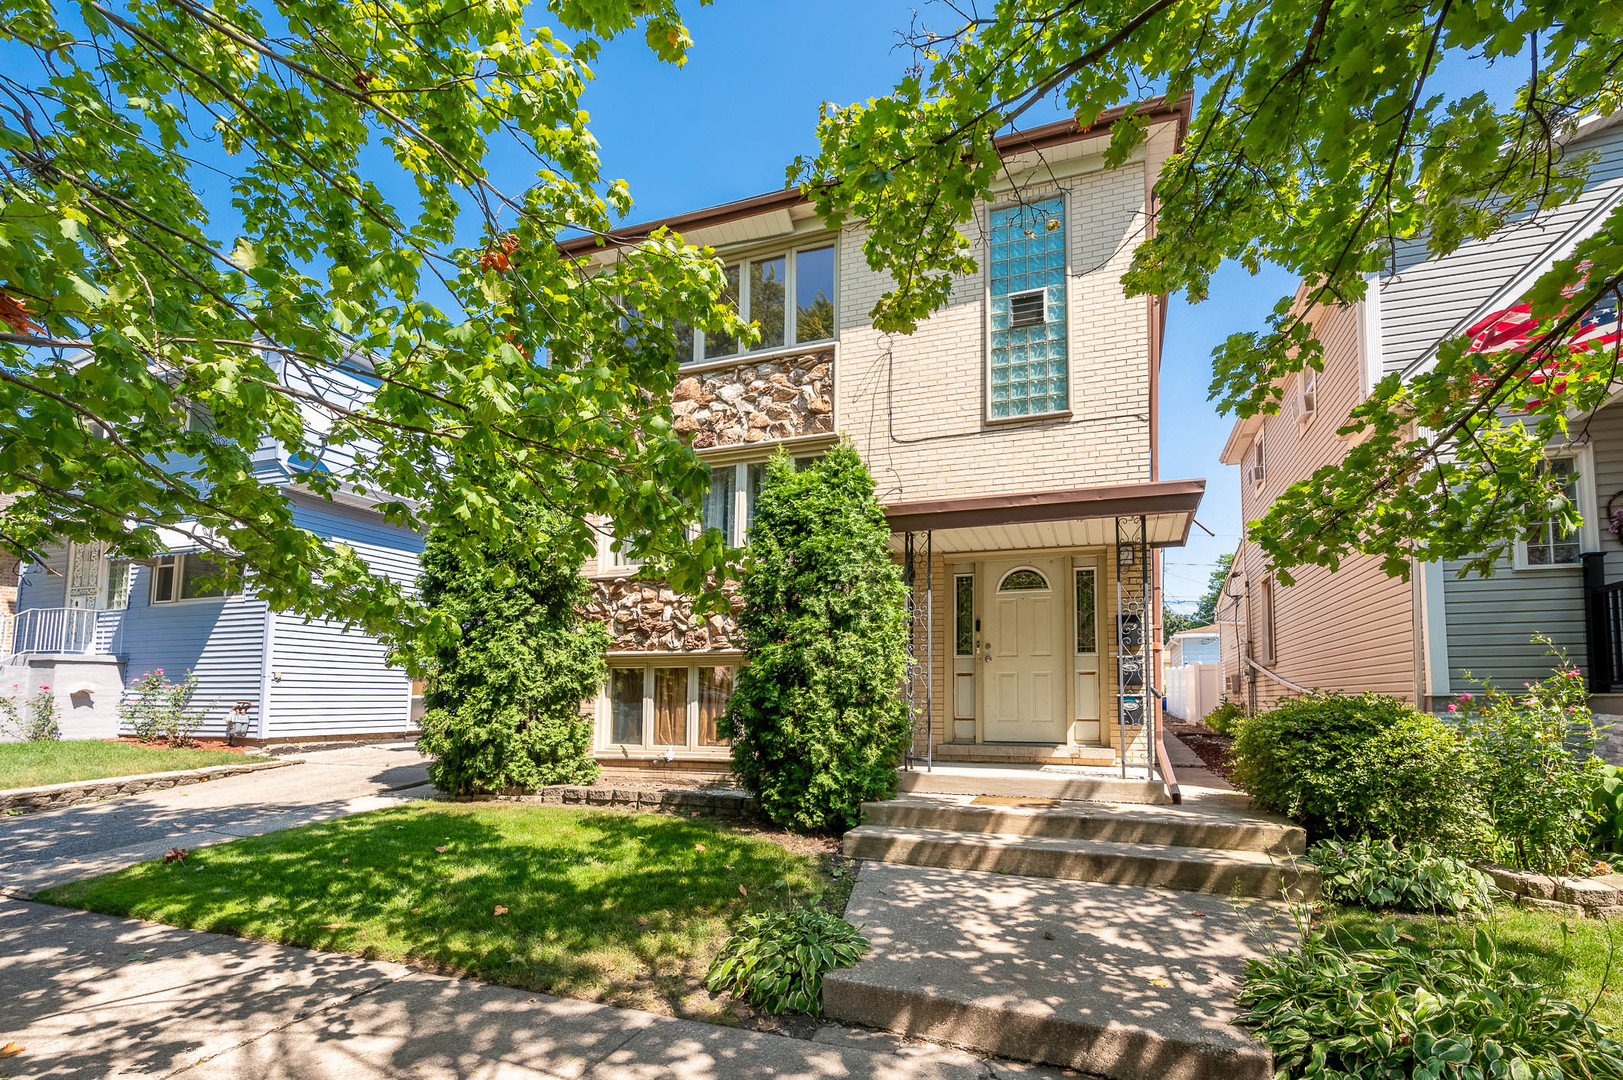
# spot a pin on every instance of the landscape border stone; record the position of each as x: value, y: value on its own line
x: 1597, y: 897
x: 729, y: 805
x: 31, y: 800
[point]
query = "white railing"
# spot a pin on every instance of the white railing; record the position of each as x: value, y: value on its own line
x: 51, y: 630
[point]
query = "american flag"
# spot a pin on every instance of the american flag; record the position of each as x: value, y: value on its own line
x: 1513, y: 328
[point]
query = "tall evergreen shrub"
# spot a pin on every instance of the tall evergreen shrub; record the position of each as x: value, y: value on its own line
x: 816, y: 721
x: 503, y: 698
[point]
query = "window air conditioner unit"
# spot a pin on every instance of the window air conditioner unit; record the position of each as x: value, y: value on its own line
x: 1028, y: 309
x: 1256, y: 474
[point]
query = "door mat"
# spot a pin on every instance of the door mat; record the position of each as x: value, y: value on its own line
x: 1015, y: 800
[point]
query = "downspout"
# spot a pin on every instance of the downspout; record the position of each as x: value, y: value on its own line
x: 267, y: 676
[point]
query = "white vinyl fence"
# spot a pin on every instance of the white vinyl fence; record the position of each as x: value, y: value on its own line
x: 1194, y: 690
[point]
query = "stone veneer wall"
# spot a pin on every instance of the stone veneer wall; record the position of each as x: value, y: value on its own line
x: 649, y: 616
x: 752, y: 403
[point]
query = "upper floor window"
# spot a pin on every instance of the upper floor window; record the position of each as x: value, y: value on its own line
x: 789, y: 296
x: 1307, y: 398
x: 1255, y: 469
x: 1030, y: 360
x: 1548, y: 541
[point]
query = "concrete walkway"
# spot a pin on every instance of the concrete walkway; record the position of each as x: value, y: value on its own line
x: 89, y: 996
x: 53, y: 846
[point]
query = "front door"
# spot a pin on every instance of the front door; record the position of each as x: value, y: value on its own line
x: 1025, y: 652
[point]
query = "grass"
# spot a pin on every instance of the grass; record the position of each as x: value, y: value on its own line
x: 615, y: 907
x: 1579, y: 959
x: 31, y: 764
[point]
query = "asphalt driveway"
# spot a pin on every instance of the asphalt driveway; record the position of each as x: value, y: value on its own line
x: 39, y: 850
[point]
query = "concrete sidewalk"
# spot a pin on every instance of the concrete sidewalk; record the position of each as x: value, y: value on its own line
x: 89, y: 996
x: 53, y: 846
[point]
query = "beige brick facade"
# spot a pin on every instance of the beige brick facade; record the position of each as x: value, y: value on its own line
x: 916, y: 407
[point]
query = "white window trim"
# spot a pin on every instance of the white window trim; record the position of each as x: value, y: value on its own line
x: 1257, y: 466
x: 646, y: 663
x: 1307, y: 387
x: 177, y: 560
x: 1064, y: 197
x: 791, y: 304
x: 608, y: 567
x: 1583, y: 464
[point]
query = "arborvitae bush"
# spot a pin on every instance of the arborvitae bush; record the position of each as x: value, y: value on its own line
x: 816, y: 721
x: 503, y: 700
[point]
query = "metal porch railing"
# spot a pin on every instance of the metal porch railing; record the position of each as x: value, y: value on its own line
x: 50, y: 630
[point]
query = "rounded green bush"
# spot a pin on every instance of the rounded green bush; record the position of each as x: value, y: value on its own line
x: 1364, y: 765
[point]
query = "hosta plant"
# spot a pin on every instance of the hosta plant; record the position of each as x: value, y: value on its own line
x: 1394, y: 1010
x: 1377, y: 874
x: 777, y: 959
x: 1606, y: 807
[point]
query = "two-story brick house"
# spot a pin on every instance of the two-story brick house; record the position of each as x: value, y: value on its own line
x: 1012, y: 438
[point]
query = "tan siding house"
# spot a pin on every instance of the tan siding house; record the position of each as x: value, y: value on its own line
x: 1440, y: 633
x: 1011, y: 438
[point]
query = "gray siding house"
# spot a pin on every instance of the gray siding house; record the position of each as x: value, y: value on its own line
x: 1442, y: 633
x: 89, y: 624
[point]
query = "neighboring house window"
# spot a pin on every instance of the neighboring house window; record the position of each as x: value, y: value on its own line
x: 1307, y: 400
x: 1264, y: 634
x: 191, y: 577
x: 1030, y: 361
x: 760, y: 290
x: 1547, y: 543
x: 1255, y: 471
x: 963, y: 587
x: 669, y: 705
x: 419, y: 687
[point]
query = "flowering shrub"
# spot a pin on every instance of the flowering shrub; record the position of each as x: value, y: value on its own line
x: 155, y: 709
x: 1536, y: 767
x: 40, y: 725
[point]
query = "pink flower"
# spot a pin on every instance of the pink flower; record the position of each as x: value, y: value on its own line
x: 160, y: 672
x: 1465, y: 697
x: 1574, y: 673
x: 1453, y: 708
x: 45, y: 688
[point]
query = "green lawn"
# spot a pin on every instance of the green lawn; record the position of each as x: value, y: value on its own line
x: 1582, y: 959
x: 624, y: 908
x: 30, y: 764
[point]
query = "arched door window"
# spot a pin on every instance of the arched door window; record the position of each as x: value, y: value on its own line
x: 1024, y: 579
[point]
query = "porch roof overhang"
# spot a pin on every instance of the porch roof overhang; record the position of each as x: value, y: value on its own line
x: 1079, y: 517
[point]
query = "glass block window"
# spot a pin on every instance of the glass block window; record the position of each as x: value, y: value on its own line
x: 1030, y: 364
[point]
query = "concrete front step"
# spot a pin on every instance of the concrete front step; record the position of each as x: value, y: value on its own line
x: 1043, y: 782
x: 1112, y: 980
x: 1172, y: 826
x: 1027, y: 753
x: 1207, y: 870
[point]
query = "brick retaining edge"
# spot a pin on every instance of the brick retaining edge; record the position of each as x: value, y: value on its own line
x: 729, y: 805
x: 49, y: 796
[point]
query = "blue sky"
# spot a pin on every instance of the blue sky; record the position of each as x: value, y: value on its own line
x: 728, y: 123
